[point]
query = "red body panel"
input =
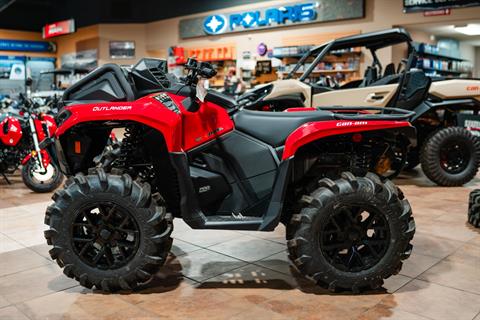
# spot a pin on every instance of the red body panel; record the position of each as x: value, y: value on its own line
x: 146, y: 110
x: 312, y: 131
x: 14, y: 131
x: 181, y: 132
x: 208, y: 123
x: 45, y: 158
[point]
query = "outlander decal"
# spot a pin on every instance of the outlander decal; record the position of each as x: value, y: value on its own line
x: 111, y: 108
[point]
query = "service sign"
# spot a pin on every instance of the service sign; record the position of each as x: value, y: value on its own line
x: 293, y: 13
x: 58, y: 29
x: 431, y: 5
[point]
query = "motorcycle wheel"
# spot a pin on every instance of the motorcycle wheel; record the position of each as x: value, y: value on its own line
x: 41, y: 182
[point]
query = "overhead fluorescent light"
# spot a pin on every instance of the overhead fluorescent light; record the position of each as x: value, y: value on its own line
x: 469, y: 29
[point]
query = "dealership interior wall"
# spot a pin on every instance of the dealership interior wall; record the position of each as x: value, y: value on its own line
x: 153, y: 39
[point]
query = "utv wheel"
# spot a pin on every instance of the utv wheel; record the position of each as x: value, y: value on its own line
x: 41, y: 182
x: 451, y: 156
x: 108, y: 231
x: 352, y: 233
x: 474, y: 208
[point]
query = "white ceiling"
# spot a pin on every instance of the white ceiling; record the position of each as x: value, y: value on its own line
x: 446, y: 29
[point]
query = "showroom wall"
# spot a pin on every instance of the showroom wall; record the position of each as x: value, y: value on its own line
x: 153, y: 39
x: 380, y: 14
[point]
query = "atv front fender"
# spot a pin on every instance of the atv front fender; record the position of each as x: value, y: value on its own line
x: 313, y: 131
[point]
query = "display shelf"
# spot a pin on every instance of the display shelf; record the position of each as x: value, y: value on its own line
x: 344, y: 64
x: 440, y: 56
x: 444, y: 71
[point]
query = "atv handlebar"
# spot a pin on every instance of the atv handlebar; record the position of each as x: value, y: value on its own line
x: 386, y: 113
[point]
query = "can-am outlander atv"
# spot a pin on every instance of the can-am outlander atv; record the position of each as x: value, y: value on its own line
x: 218, y: 167
x: 447, y: 110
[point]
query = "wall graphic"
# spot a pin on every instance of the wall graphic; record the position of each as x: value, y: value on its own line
x: 293, y: 13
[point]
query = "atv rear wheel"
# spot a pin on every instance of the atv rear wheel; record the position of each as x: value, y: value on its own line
x: 451, y: 156
x: 474, y: 208
x: 351, y: 233
x: 107, y: 231
x: 41, y: 182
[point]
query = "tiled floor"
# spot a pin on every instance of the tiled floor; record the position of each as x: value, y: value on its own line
x: 246, y: 275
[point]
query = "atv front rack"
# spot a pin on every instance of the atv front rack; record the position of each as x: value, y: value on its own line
x: 362, y: 113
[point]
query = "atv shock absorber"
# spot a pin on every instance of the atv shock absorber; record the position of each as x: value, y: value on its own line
x: 129, y: 143
x: 131, y: 157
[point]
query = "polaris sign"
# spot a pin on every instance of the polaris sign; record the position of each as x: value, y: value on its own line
x: 217, y: 24
x: 295, y: 13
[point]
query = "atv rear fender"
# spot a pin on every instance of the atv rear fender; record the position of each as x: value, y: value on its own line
x: 314, y: 131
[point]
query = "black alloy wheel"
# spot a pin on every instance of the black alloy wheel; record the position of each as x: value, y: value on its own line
x: 108, y: 231
x: 454, y: 156
x: 354, y: 238
x: 105, y: 236
x: 450, y: 156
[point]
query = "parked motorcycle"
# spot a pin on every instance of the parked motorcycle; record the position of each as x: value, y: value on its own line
x: 25, y: 140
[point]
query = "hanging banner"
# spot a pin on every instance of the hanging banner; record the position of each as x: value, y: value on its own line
x: 26, y: 46
x: 430, y: 5
x: 295, y: 13
x: 58, y: 29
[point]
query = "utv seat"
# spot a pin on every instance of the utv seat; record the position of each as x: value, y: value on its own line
x: 369, y: 77
x: 273, y: 128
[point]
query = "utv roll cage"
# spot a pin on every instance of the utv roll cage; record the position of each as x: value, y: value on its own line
x: 372, y: 41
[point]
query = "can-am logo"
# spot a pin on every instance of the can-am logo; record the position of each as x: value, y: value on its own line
x: 217, y: 24
x: 112, y: 108
x: 351, y: 123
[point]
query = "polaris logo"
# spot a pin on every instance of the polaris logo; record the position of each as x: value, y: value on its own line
x: 351, y: 123
x: 112, y: 108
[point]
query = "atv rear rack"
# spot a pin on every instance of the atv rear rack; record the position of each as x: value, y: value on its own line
x: 361, y: 113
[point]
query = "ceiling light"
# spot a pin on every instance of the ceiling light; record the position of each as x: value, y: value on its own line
x: 469, y: 29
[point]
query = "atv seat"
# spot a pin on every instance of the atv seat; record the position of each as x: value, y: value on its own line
x: 273, y: 128
x: 221, y: 100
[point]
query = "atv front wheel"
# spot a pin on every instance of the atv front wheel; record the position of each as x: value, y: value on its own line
x: 474, y: 208
x: 352, y: 233
x: 451, y: 156
x: 108, y: 231
x: 41, y: 181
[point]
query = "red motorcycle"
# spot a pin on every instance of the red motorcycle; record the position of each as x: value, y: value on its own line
x: 25, y: 139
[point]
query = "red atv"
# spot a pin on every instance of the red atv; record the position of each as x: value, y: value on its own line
x: 25, y: 140
x: 204, y: 160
